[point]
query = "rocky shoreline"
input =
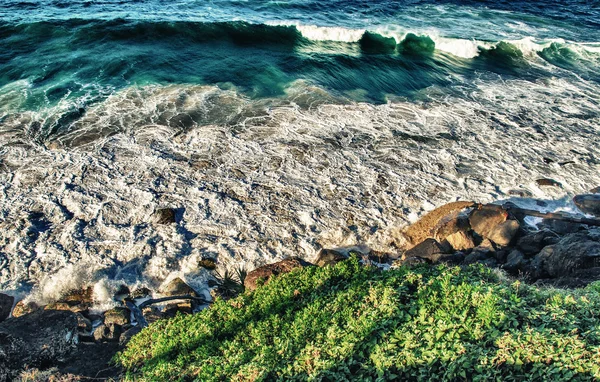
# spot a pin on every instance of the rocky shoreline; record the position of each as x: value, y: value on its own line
x: 73, y: 342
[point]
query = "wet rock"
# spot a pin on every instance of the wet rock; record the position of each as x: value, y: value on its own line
x: 572, y: 253
x: 122, y: 292
x: 152, y: 314
x: 461, y: 241
x: 208, y: 263
x: 595, y: 190
x: 83, y: 324
x: 40, y: 339
x: 76, y: 301
x: 117, y: 316
x: 429, y: 250
x: 141, y: 293
x: 504, y: 233
x: 588, y: 204
x: 548, y: 182
x: 329, y: 257
x: 429, y: 224
x: 177, y: 287
x: 514, y: 261
x: 110, y: 333
x: 485, y: 219
x: 128, y: 334
x: 533, y: 243
x: 163, y: 216
x: 6, y: 304
x: 267, y: 271
x: 22, y: 308
x: 561, y: 227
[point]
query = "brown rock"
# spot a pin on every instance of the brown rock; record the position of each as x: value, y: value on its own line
x: 548, y: 182
x: 22, y: 308
x: 329, y: 257
x: 177, y: 287
x: 117, y: 316
x: 267, y: 271
x: 486, y: 218
x: 141, y: 293
x: 164, y: 216
x: 152, y: 314
x: 588, y: 203
x: 504, y: 233
x: 83, y: 324
x: 429, y: 250
x: 6, y: 304
x: 110, y: 333
x: 461, y: 241
x: 427, y: 226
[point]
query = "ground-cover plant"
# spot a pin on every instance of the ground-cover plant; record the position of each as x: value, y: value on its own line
x: 350, y: 322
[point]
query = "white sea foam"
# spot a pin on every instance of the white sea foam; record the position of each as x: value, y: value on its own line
x: 263, y: 183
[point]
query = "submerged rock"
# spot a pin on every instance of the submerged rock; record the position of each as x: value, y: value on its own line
x: 588, y: 203
x: 548, y: 182
x: 267, y: 271
x: 39, y: 339
x: 6, y: 304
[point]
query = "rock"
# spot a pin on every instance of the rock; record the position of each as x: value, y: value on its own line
x: 572, y: 253
x: 40, y: 339
x: 22, y: 308
x: 504, y: 233
x: 329, y: 257
x: 427, y: 226
x: 588, y: 204
x: 267, y: 271
x: 163, y: 216
x: 485, y: 219
x: 429, y: 250
x: 76, y: 302
x: 208, y: 263
x: 110, y: 333
x: 122, y: 292
x: 561, y: 227
x: 453, y: 259
x: 83, y: 324
x: 177, y: 287
x: 6, y: 304
x: 538, y: 264
x: 152, y: 314
x: 595, y: 190
x: 533, y: 243
x: 117, y: 316
x: 514, y: 261
x: 548, y: 182
x: 128, y: 334
x: 450, y: 227
x: 461, y: 241
x: 141, y: 292
x: 412, y: 261
x: 171, y: 310
x: 475, y: 257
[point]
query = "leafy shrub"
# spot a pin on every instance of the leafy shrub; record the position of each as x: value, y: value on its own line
x: 350, y: 322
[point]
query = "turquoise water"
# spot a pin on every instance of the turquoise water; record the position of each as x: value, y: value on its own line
x: 59, y: 58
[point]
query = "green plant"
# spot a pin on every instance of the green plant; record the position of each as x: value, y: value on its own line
x: 349, y: 322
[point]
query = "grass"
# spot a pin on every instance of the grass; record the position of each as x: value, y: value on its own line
x: 350, y: 322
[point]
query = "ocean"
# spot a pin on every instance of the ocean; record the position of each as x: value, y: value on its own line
x: 275, y: 128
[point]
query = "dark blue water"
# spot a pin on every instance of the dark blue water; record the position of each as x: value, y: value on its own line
x: 62, y: 57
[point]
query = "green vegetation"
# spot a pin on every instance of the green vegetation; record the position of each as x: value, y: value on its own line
x: 350, y: 322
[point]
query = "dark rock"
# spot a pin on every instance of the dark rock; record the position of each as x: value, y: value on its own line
x: 122, y: 292
x: 83, y: 324
x: 429, y: 250
x: 548, y: 182
x: 22, y: 308
x: 6, y: 304
x: 413, y: 261
x: 171, y: 310
x: 267, y: 271
x: 595, y: 190
x: 208, y: 263
x: 76, y: 301
x: 533, y: 243
x: 504, y: 233
x: 36, y: 340
x: 572, y: 253
x: 588, y: 204
x: 489, y: 262
x: 502, y: 255
x: 452, y: 259
x: 474, y: 257
x: 329, y: 257
x: 514, y: 261
x: 110, y: 333
x: 429, y: 224
x: 177, y: 287
x: 450, y: 227
x: 164, y: 216
x: 141, y: 293
x: 117, y: 316
x: 485, y: 219
x: 152, y: 314
x: 128, y: 334
x: 561, y: 227
x: 520, y: 193
x: 381, y: 257
x: 538, y: 264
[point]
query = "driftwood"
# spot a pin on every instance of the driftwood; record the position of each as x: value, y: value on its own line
x: 137, y: 309
x: 517, y: 211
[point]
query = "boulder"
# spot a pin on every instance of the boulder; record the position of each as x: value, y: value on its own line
x: 533, y: 243
x: 40, y: 339
x: 595, y: 190
x: 429, y: 250
x: 429, y: 224
x: 561, y: 227
x: 6, y: 304
x: 504, y: 233
x: 141, y: 292
x: 177, y: 287
x: 83, y: 324
x: 22, y: 308
x: 163, y: 216
x: 152, y: 314
x: 267, y: 271
x: 572, y: 253
x: 110, y: 333
x: 485, y: 219
x: 450, y: 227
x: 588, y: 204
x: 329, y: 257
x: 514, y: 261
x: 117, y: 316
x: 548, y: 182
x: 128, y: 334
x: 461, y: 241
